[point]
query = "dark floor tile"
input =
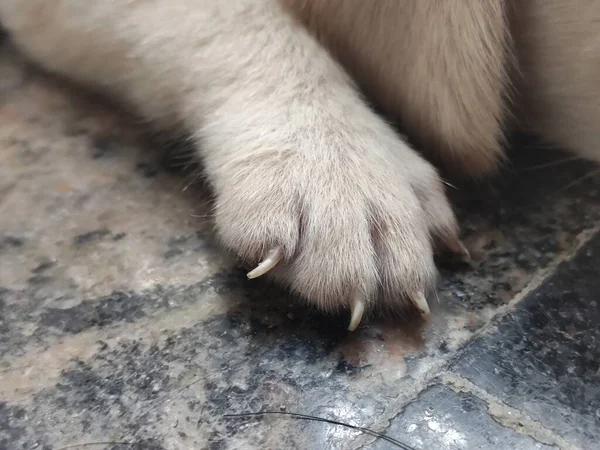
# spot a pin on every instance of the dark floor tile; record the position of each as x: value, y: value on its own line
x: 444, y: 420
x: 519, y: 223
x: 544, y: 358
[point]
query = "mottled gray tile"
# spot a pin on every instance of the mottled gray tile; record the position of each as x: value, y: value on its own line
x: 174, y: 387
x: 441, y: 419
x: 521, y: 223
x: 544, y: 357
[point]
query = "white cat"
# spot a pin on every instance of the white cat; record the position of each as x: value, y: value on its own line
x: 311, y: 185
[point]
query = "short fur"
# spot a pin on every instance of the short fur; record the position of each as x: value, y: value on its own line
x: 296, y: 157
x: 441, y: 67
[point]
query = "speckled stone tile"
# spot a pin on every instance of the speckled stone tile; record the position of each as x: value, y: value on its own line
x: 543, y: 358
x: 122, y: 321
x: 442, y: 419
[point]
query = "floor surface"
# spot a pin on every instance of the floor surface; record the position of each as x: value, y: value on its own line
x: 122, y: 326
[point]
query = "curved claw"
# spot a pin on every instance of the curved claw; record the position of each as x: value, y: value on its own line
x: 457, y: 249
x: 464, y: 254
x: 357, y: 308
x: 420, y: 302
x: 273, y: 257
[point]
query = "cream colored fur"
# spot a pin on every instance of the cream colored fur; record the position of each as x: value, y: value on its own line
x: 439, y: 66
x: 559, y: 58
x: 296, y: 158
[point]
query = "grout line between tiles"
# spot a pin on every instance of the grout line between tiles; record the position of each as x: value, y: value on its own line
x: 505, y: 415
x: 582, y: 239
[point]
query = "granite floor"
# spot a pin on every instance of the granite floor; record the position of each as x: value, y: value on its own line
x: 122, y: 326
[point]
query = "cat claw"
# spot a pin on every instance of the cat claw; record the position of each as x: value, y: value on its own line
x: 420, y: 302
x: 458, y: 250
x: 357, y: 308
x: 271, y: 260
x: 462, y: 252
